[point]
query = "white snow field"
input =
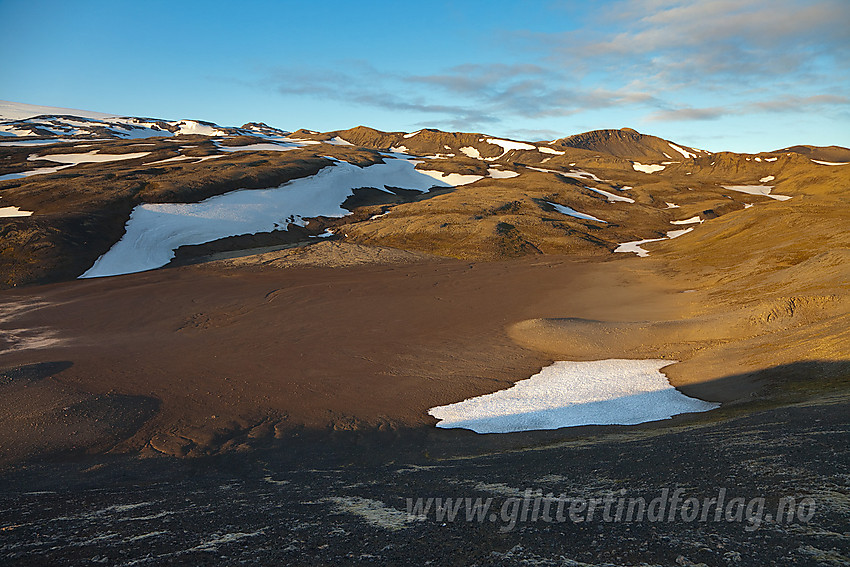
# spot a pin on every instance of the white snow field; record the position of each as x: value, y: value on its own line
x: 469, y: 151
x: 453, y: 179
x: 13, y: 212
x: 501, y: 173
x: 650, y: 168
x: 635, y: 245
x: 154, y: 231
x: 830, y: 162
x: 508, y: 145
x: 545, y: 150
x: 763, y: 190
x: 685, y: 153
x: 565, y: 210
x: 569, y: 394
x: 612, y: 198
x: 88, y: 157
x: 692, y: 220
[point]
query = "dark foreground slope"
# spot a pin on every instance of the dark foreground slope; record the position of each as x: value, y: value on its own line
x: 342, y: 499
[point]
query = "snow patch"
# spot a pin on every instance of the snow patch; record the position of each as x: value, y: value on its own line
x: 545, y: 150
x: 193, y: 127
x: 88, y: 157
x: 831, y: 162
x: 671, y: 205
x: 763, y: 190
x: 692, y: 220
x: 6, y: 212
x: 469, y: 151
x: 612, y: 198
x: 647, y: 168
x: 454, y: 179
x: 635, y: 246
x: 155, y: 230
x: 501, y: 173
x: 766, y: 179
x: 337, y: 141
x: 565, y: 210
x: 671, y: 234
x: 570, y: 394
x: 685, y: 153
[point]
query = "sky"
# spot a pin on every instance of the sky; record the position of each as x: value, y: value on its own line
x: 738, y: 75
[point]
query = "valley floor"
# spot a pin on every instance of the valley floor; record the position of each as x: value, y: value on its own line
x: 300, y: 396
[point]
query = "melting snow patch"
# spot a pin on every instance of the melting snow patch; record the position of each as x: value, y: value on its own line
x: 569, y: 394
x: 770, y: 159
x: 671, y: 205
x: 454, y: 179
x: 89, y: 157
x: 671, y: 234
x: 13, y: 212
x: 831, y: 162
x: 766, y: 179
x: 469, y: 151
x: 337, y: 141
x: 635, y: 246
x: 564, y: 210
x: 410, y: 135
x: 189, y: 127
x: 155, y: 230
x: 612, y: 198
x: 508, y: 145
x: 501, y: 173
x: 691, y: 220
x: 545, y: 150
x: 647, y: 168
x: 757, y: 190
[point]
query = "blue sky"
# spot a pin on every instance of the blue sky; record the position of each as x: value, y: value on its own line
x: 745, y: 75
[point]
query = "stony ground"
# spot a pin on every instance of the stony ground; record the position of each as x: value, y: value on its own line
x: 340, y: 499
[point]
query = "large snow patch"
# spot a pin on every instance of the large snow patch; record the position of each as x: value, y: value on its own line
x: 568, y: 394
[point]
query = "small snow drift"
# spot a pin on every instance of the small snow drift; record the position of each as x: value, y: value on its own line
x: 692, y: 220
x: 565, y: 210
x: 569, y: 394
x: 647, y: 168
x: 763, y: 190
x: 88, y: 157
x: 13, y: 212
x: 635, y: 246
x: 154, y: 231
x: 454, y: 179
x: 469, y: 151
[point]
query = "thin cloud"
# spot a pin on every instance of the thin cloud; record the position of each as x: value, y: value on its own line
x: 654, y: 56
